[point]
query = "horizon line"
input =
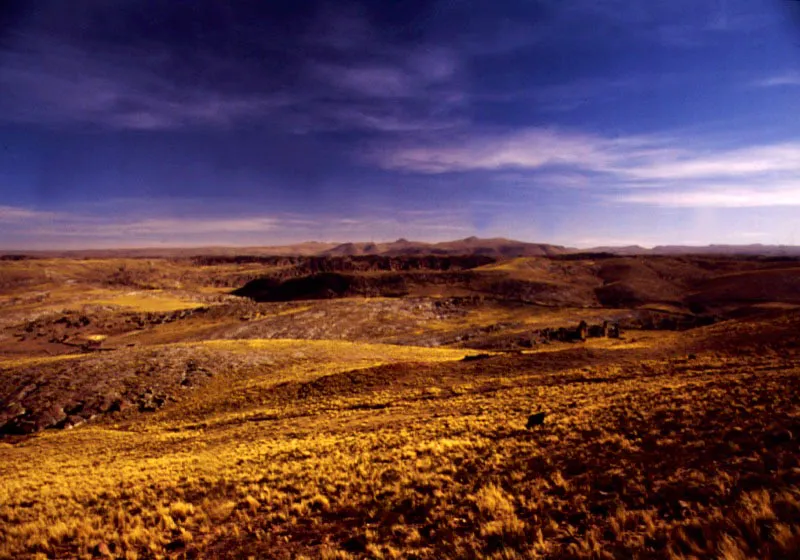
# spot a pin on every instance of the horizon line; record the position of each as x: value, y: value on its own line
x: 334, y: 244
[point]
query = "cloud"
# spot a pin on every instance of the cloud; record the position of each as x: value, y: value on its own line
x: 393, y: 89
x: 57, y: 230
x: 402, y: 74
x: 634, y: 157
x: 526, y: 149
x: 684, y: 24
x: 47, y: 81
x: 775, y: 160
x: 678, y: 171
x: 98, y: 226
x: 747, y: 177
x: 340, y: 73
x: 351, y: 67
x: 726, y: 196
x: 780, y: 80
x: 380, y: 118
x: 567, y: 96
x: 188, y: 226
x: 375, y: 81
x: 16, y: 215
x: 368, y: 82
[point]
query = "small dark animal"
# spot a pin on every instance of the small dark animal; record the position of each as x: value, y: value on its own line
x: 535, y: 420
x: 473, y: 357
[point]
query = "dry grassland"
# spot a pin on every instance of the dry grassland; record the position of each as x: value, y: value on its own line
x: 657, y: 445
x: 659, y: 458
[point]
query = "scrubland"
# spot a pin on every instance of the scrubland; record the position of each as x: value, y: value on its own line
x: 661, y: 444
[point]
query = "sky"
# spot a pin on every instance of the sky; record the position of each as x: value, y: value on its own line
x: 147, y: 123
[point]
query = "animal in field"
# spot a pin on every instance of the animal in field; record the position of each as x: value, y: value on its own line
x: 535, y: 420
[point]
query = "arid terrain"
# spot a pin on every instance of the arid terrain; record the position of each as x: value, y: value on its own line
x: 373, y: 402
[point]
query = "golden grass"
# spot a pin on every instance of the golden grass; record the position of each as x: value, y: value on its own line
x: 294, y: 310
x: 301, y: 448
x: 146, y: 302
x: 96, y: 337
x: 517, y: 264
x: 334, y: 348
x: 270, y: 362
x: 526, y: 316
x: 438, y: 473
x: 543, y: 270
x: 7, y: 362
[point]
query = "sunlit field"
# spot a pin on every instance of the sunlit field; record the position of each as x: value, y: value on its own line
x: 218, y: 430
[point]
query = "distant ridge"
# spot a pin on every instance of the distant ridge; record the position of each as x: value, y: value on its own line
x: 755, y: 249
x: 498, y: 248
x: 622, y: 251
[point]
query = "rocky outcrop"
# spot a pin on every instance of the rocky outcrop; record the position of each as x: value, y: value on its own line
x: 67, y: 393
x: 579, y: 333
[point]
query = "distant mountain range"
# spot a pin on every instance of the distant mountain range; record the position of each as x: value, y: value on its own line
x: 756, y: 249
x: 495, y: 247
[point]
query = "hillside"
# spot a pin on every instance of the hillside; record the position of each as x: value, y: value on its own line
x: 379, y: 406
x: 684, y: 284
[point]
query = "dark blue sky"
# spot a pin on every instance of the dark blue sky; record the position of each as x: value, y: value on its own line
x: 588, y: 122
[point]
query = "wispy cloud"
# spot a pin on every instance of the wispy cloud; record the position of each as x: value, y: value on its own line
x: 25, y: 228
x: 341, y: 74
x: 77, y: 224
x: 679, y: 23
x: 399, y: 75
x: 47, y: 81
x: 16, y: 215
x: 368, y: 84
x: 769, y: 161
x: 673, y: 171
x: 566, y: 96
x: 780, y: 80
x: 718, y: 196
x: 394, y: 90
x: 526, y: 149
